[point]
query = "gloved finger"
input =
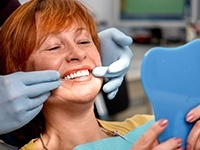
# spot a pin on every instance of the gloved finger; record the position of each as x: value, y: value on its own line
x: 26, y: 117
x: 120, y: 38
x: 24, y: 105
x: 38, y: 101
x: 103, y: 72
x: 123, y: 62
x: 112, y: 94
x: 35, y: 77
x: 38, y: 89
x: 29, y: 115
x: 26, y: 109
x: 119, y: 67
x: 112, y: 84
x: 100, y: 71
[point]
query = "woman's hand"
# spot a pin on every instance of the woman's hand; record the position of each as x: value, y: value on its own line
x: 193, y: 141
x: 148, y: 140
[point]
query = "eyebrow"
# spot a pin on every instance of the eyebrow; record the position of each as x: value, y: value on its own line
x: 80, y: 29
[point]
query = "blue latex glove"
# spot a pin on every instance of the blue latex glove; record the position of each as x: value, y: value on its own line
x: 22, y: 96
x: 116, y: 59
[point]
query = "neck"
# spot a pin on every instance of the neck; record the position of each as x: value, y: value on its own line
x: 67, y: 128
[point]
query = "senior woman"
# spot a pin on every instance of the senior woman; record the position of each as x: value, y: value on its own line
x: 62, y: 36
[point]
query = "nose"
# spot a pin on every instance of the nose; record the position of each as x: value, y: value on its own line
x: 75, y: 54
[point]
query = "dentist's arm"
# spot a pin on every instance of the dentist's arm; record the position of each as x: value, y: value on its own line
x: 22, y: 96
x: 116, y: 59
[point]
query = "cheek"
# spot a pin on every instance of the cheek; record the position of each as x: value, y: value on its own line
x: 42, y: 63
x: 95, y: 56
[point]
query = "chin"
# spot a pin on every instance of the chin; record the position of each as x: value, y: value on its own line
x: 78, y: 93
x: 87, y: 94
x: 85, y: 98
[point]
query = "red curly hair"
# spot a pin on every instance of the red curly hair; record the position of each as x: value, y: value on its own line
x: 26, y: 29
x: 20, y: 34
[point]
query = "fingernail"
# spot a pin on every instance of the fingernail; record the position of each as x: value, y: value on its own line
x: 179, y: 141
x: 163, y: 122
x: 190, y: 117
x: 188, y: 147
x: 59, y: 82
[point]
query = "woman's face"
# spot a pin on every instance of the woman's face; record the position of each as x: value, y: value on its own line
x: 73, y: 54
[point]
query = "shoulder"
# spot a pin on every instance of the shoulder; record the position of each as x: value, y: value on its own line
x: 128, y: 124
x: 29, y: 146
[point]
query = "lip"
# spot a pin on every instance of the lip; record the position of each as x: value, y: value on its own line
x: 76, y: 69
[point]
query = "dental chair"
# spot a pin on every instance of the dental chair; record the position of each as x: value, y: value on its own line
x: 171, y: 81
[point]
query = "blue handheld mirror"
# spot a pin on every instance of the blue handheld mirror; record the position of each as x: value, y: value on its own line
x: 171, y: 80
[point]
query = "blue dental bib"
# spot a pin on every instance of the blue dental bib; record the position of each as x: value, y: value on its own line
x: 117, y: 143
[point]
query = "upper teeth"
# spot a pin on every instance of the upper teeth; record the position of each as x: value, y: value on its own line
x: 77, y: 74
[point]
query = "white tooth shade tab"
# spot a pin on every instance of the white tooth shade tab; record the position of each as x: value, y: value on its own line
x: 77, y: 74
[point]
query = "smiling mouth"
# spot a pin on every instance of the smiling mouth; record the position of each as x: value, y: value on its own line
x: 78, y: 74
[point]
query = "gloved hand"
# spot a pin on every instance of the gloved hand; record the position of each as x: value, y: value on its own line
x: 22, y: 96
x: 116, y: 59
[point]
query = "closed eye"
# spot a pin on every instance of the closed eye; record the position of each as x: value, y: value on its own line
x: 54, y: 48
x: 84, y: 42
